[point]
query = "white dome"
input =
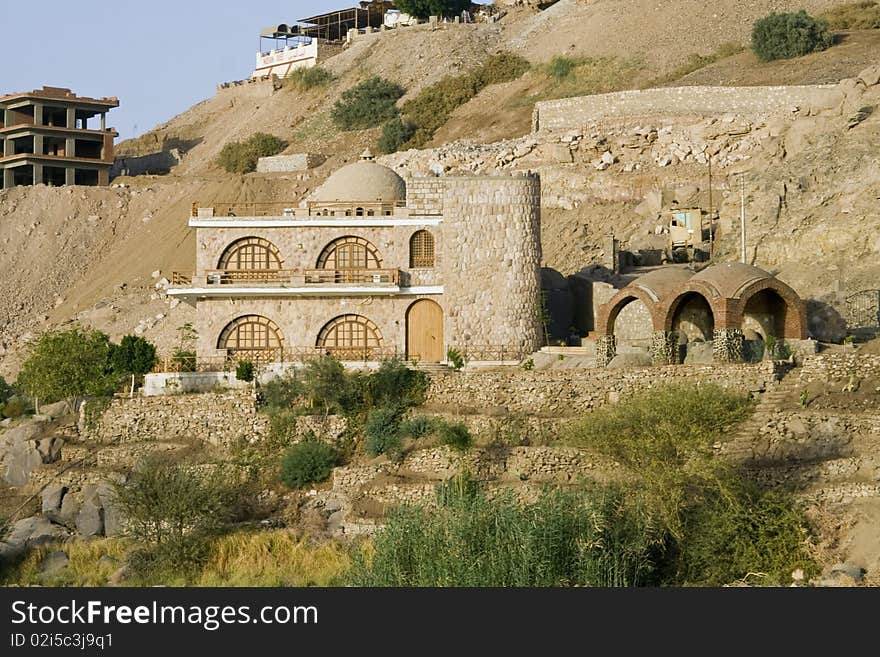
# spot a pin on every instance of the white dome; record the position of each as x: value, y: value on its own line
x: 363, y: 181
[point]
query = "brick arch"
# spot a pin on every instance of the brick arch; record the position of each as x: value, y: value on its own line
x: 796, y: 310
x: 705, y: 290
x: 609, y: 311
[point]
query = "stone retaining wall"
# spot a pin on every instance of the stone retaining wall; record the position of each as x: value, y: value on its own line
x: 572, y: 392
x: 744, y: 102
x: 221, y: 419
x: 284, y: 163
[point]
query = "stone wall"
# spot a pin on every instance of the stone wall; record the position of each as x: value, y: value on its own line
x: 743, y: 102
x: 154, y: 163
x: 836, y: 367
x: 572, y: 392
x: 284, y: 163
x: 425, y: 195
x: 492, y: 256
x: 220, y: 419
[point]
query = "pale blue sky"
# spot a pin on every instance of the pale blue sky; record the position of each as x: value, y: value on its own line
x: 158, y: 56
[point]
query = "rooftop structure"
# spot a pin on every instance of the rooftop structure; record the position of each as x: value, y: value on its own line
x: 48, y: 137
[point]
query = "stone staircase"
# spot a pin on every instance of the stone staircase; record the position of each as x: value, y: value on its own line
x: 432, y: 368
x: 741, y: 444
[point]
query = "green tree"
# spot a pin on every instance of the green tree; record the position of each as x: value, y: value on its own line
x: 6, y: 391
x: 67, y: 364
x: 367, y: 105
x: 133, y: 356
x: 783, y: 36
x: 310, y: 461
x: 395, y: 134
x: 424, y: 8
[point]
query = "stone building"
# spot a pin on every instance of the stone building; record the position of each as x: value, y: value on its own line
x: 678, y: 314
x: 370, y: 266
x: 47, y: 138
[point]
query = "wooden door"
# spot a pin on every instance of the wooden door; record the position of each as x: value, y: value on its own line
x: 424, y: 332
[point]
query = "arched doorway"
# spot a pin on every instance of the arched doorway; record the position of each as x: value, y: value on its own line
x: 765, y: 314
x: 424, y: 332
x: 252, y: 337
x: 350, y: 337
x: 632, y: 324
x: 693, y: 319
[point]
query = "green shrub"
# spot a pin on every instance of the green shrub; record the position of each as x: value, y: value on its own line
x: 328, y: 387
x: 560, y: 68
x: 783, y: 36
x: 529, y: 364
x: 590, y: 538
x: 308, y: 462
x: 395, y: 134
x: 6, y: 391
x: 501, y: 67
x: 14, y: 407
x: 382, y: 431
x: 854, y: 16
x: 393, y: 383
x: 165, y: 501
x: 244, y: 371
x: 454, y: 434
x: 283, y: 424
x: 306, y: 79
x: 417, y: 426
x: 283, y: 391
x: 242, y: 156
x: 455, y: 358
x: 367, y: 105
x: 133, y: 355
x: 726, y: 538
x: 425, y: 8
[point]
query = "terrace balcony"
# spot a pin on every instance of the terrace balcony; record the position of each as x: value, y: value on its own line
x: 310, y: 213
x: 293, y: 282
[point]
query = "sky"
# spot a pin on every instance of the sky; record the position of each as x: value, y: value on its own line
x: 159, y: 57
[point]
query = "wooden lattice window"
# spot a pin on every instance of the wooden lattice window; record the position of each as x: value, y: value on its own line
x: 251, y: 333
x: 349, y: 333
x: 421, y: 250
x: 349, y: 253
x: 250, y: 253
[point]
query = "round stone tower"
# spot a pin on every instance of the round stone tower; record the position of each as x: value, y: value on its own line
x: 492, y: 261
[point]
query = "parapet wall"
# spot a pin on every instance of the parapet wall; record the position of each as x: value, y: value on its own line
x: 745, y: 102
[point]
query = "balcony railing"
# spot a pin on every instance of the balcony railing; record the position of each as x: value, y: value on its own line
x: 228, y: 363
x: 292, y: 277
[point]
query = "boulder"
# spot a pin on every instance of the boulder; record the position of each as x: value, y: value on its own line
x: 28, y: 533
x: 52, y: 497
x: 21, y: 459
x: 631, y: 359
x: 112, y: 517
x: 25, y: 431
x: 49, y: 449
x: 90, y: 519
x: 56, y: 410
x: 69, y: 511
x: 870, y: 76
x: 699, y: 353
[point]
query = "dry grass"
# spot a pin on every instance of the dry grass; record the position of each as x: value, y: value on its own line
x: 85, y: 567
x: 273, y: 558
x: 854, y: 16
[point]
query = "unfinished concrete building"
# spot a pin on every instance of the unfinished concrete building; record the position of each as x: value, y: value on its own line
x: 52, y: 136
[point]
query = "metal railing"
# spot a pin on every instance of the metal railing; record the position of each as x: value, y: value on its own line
x: 292, y: 277
x: 228, y: 363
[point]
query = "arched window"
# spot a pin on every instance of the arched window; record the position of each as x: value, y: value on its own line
x: 350, y: 337
x: 421, y: 249
x: 250, y: 253
x: 349, y: 253
x: 252, y: 337
x: 359, y: 212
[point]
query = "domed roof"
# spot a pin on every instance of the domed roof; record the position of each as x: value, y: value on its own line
x: 731, y: 278
x: 364, y: 181
x: 663, y: 282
